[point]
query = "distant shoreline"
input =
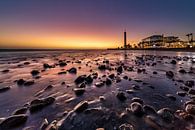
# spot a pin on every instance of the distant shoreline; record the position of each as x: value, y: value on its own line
x: 152, y: 49
x: 12, y: 50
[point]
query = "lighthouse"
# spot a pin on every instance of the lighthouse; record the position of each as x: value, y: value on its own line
x: 125, y: 39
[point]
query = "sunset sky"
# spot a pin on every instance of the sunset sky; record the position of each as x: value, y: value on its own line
x: 91, y: 23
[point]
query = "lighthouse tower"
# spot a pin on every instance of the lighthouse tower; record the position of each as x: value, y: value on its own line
x: 125, y: 40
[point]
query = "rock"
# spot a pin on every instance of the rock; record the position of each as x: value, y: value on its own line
x: 5, y: 71
x: 190, y: 108
x: 73, y: 70
x: 153, y: 122
x: 167, y: 115
x: 137, y: 109
x: 154, y: 72
x: 125, y: 77
x: 184, y: 88
x: 108, y: 81
x: 120, y: 69
x: 13, y: 121
x: 136, y: 87
x: 62, y: 72
x: 189, y: 83
x: 99, y: 84
x: 89, y: 79
x: 192, y: 91
x: 20, y: 81
x: 48, y: 87
x: 44, y: 124
x: 130, y: 91
x: 79, y: 91
x: 100, y: 129
x: 80, y: 79
x: 111, y: 76
x: 34, y: 72
x: 181, y: 93
x: 171, y: 97
x: 63, y: 83
x: 121, y: 96
x: 20, y: 111
x: 102, y: 67
x: 149, y: 109
x: 102, y: 98
x: 38, y: 104
x: 173, y: 62
x: 4, y: 89
x: 46, y: 66
x: 184, y: 115
x: 29, y: 83
x: 52, y: 126
x: 170, y: 74
x: 62, y: 64
x: 136, y: 99
x: 80, y: 107
x: 82, y: 85
x: 182, y: 71
x: 126, y: 127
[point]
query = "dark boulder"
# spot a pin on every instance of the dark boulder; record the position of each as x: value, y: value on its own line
x: 20, y: 111
x: 13, y: 121
x: 38, y: 104
x: 80, y: 79
x: 4, y: 89
x: 166, y: 114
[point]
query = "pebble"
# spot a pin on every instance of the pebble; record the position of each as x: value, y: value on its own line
x: 99, y: 84
x: 73, y: 70
x: 80, y: 79
x: 166, y: 114
x: 136, y: 99
x: 38, y: 104
x: 170, y: 74
x: 108, y: 81
x: 137, y: 108
x: 190, y: 108
x: 80, y: 107
x: 35, y: 72
x: 126, y: 127
x: 120, y: 69
x: 29, y: 83
x: 4, y: 89
x: 20, y: 81
x: 121, y: 96
x: 79, y: 91
x: 192, y: 91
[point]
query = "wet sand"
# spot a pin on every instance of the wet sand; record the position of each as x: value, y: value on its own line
x: 91, y: 89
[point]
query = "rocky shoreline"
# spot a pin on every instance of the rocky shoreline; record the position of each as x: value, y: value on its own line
x: 108, y: 90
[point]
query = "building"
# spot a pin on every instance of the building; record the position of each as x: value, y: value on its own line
x: 160, y: 41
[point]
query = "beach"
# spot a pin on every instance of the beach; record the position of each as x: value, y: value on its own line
x: 97, y: 89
